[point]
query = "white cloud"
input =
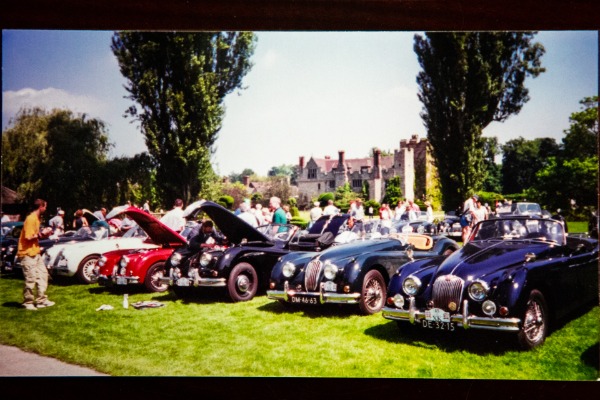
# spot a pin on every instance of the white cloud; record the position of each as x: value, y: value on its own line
x: 49, y: 98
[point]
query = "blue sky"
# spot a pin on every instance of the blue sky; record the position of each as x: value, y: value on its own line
x: 308, y: 94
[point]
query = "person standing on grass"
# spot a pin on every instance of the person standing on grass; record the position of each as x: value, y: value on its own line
x: 34, y: 269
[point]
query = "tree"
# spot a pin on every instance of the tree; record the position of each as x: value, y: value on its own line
x: 493, y: 171
x: 467, y: 81
x: 233, y: 177
x: 56, y: 155
x: 393, y: 191
x: 289, y: 170
x: 179, y: 81
x: 581, y: 139
x: 522, y: 159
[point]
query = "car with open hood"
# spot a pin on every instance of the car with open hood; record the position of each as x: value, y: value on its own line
x: 516, y: 274
x: 242, y: 266
x: 354, y: 273
x: 79, y: 258
x: 139, y: 266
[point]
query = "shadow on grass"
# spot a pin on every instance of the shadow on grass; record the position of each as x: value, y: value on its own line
x: 478, y: 342
x: 12, y: 304
x: 319, y: 311
x: 591, y: 356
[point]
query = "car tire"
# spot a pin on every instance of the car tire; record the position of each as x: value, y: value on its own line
x: 372, y: 295
x: 85, y: 271
x: 152, y: 279
x: 242, y: 283
x: 534, y: 327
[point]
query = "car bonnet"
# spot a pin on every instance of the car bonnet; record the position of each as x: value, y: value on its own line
x: 233, y: 227
x: 156, y: 230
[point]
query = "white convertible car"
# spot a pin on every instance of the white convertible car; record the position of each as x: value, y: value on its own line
x: 80, y: 259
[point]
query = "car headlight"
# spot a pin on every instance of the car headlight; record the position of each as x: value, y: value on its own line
x: 288, y: 270
x: 421, y: 229
x: 102, y: 261
x: 478, y: 290
x: 124, y: 261
x: 407, y: 229
x: 175, y: 259
x: 398, y: 300
x: 411, y: 285
x: 488, y: 307
x: 330, y: 271
x: 205, y: 259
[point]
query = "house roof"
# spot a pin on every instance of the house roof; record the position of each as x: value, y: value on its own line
x: 353, y: 164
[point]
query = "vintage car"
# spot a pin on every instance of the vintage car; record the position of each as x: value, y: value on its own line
x: 325, y: 232
x: 355, y: 273
x: 79, y: 258
x: 9, y: 241
x: 242, y: 267
x: 123, y: 267
x: 515, y: 274
x: 418, y: 225
x: 450, y: 225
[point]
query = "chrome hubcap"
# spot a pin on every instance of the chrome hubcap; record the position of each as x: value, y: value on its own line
x: 243, y: 283
x: 534, y: 322
x: 373, y: 293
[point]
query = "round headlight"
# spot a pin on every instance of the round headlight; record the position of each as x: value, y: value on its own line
x: 205, y: 259
x: 411, y: 285
x: 101, y: 261
x: 421, y: 229
x: 488, y: 307
x: 175, y: 259
x: 330, y: 271
x: 478, y: 290
x: 288, y: 269
x: 124, y: 261
x: 407, y: 229
x: 398, y: 300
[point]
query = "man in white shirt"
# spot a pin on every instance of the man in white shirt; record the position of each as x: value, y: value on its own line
x: 247, y: 216
x: 174, y: 218
x: 330, y: 209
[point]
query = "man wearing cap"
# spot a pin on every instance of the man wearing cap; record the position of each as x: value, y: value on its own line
x: 57, y: 223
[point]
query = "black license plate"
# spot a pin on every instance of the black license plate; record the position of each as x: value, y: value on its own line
x: 438, y: 325
x: 298, y: 299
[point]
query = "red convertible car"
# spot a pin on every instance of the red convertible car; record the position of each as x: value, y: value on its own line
x: 120, y: 268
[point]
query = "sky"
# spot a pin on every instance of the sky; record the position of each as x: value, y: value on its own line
x: 308, y: 94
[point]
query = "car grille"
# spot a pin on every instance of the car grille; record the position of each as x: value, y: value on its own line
x: 311, y: 275
x: 447, y: 292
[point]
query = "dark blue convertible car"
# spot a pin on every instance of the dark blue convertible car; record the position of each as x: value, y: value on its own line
x: 515, y: 274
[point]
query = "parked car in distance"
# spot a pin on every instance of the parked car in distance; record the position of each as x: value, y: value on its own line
x: 144, y: 266
x: 242, y: 267
x: 450, y: 226
x: 354, y: 273
x: 516, y: 274
x: 418, y: 225
x: 9, y: 241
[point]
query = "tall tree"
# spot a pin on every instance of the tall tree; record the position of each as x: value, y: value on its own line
x: 467, y: 81
x: 179, y: 82
x: 522, y: 159
x: 493, y: 177
x: 581, y: 139
x: 56, y: 155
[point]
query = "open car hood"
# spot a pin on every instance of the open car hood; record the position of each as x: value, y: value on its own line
x: 229, y: 224
x: 158, y: 232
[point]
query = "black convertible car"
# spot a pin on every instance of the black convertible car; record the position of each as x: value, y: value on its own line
x: 354, y: 273
x: 242, y: 265
x: 515, y: 274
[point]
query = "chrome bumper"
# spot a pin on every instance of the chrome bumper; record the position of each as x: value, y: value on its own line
x: 323, y: 297
x: 465, y: 320
x: 206, y: 282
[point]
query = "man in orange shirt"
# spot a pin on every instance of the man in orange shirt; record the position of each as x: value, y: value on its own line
x: 34, y: 269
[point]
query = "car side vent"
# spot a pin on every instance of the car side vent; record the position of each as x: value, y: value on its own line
x: 447, y: 292
x: 311, y: 275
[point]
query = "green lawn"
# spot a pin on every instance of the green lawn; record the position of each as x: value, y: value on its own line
x: 208, y: 336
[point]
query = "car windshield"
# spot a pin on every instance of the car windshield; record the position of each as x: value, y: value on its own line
x: 91, y: 232
x: 528, y: 209
x: 509, y: 229
x: 136, y: 231
x: 278, y: 232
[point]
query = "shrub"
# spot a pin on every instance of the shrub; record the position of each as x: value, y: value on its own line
x: 226, y: 201
x: 299, y: 222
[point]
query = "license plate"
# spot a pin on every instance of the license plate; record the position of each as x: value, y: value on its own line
x: 121, y: 280
x: 304, y: 300
x: 330, y: 286
x: 183, y: 282
x: 438, y: 319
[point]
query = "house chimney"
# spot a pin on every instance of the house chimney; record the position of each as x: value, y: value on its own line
x: 246, y: 180
x: 341, y: 160
x: 301, y: 163
x: 376, y: 163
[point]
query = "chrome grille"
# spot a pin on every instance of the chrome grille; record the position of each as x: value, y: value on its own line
x: 311, y: 275
x: 447, y: 292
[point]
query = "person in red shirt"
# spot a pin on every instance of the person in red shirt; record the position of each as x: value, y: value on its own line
x: 34, y: 269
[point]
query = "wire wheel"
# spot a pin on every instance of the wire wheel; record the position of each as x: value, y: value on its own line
x: 373, y: 292
x: 535, y: 321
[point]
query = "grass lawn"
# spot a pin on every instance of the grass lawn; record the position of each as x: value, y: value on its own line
x: 208, y: 336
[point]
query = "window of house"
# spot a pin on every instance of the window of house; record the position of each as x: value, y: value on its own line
x: 331, y: 184
x: 357, y: 183
x: 312, y: 173
x: 319, y: 187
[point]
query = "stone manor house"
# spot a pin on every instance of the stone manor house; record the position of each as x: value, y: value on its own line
x: 411, y: 162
